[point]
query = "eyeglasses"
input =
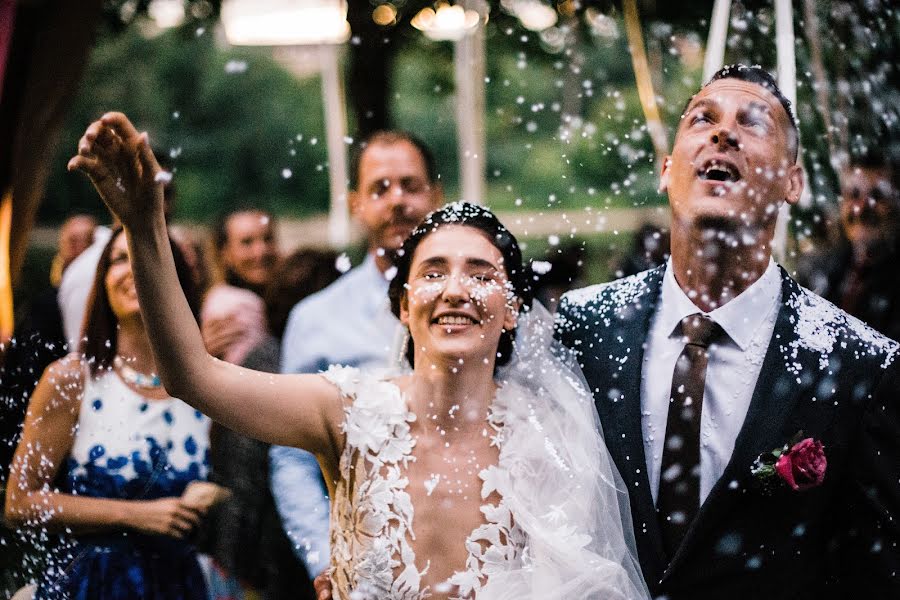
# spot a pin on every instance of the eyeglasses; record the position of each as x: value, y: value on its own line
x: 877, y: 193
x: 408, y: 186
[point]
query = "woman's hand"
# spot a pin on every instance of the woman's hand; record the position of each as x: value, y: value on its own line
x: 120, y: 164
x: 166, y: 516
x: 220, y: 334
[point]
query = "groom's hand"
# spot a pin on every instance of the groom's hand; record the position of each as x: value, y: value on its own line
x: 322, y: 583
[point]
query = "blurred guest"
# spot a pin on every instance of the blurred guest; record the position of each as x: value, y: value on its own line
x: 552, y: 278
x: 862, y: 274
x: 233, y: 313
x: 75, y: 286
x: 250, y: 550
x: 122, y: 452
x: 233, y: 323
x: 44, y: 318
x: 75, y: 236
x: 649, y: 250
x: 194, y: 256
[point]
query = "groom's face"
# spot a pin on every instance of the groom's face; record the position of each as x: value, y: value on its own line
x: 733, y: 158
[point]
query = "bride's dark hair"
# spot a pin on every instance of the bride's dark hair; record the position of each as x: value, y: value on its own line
x: 482, y: 219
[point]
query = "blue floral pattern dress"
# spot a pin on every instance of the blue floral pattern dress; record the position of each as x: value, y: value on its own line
x: 129, y: 447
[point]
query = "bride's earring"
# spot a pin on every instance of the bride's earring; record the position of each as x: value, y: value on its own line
x: 404, y: 344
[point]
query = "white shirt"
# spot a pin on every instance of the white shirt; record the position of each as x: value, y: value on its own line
x: 75, y: 286
x: 348, y: 323
x: 733, y: 369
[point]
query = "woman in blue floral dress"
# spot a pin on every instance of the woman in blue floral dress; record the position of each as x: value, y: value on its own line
x: 106, y: 455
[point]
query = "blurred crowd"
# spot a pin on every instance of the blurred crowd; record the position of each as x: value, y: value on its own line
x: 103, y: 459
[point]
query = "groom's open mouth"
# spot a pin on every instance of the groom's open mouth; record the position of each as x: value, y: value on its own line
x: 719, y: 170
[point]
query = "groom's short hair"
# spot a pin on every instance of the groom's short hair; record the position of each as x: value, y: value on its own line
x: 761, y: 77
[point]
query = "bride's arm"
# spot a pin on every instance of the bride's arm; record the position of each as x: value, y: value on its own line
x: 289, y: 410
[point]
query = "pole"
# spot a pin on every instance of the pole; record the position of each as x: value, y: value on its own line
x: 787, y: 81
x: 335, y: 132
x: 469, y: 75
x: 644, y: 81
x: 715, y: 44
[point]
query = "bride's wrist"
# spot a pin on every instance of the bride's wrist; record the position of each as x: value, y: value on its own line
x: 152, y: 230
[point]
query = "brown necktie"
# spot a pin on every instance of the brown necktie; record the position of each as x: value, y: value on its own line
x: 678, y: 499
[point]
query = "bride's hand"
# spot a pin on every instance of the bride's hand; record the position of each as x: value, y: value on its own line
x: 120, y: 164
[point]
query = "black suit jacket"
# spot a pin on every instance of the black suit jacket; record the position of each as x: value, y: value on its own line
x: 820, y: 376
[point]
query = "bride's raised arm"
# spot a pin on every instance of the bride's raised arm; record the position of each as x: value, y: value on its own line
x: 297, y: 410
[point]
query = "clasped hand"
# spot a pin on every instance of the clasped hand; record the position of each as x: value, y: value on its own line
x: 165, y: 516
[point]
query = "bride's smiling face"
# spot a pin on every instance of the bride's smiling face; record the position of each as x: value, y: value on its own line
x: 458, y: 299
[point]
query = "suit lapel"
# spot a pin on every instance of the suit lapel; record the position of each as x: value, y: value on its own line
x: 783, y: 379
x: 618, y: 365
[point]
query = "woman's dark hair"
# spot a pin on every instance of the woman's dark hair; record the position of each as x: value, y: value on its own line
x: 482, y: 219
x: 296, y: 276
x: 100, y: 331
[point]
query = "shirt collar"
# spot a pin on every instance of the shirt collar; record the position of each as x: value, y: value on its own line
x: 740, y: 317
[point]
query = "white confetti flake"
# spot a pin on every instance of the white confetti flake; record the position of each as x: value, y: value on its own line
x: 431, y: 483
x: 233, y: 67
x: 343, y: 263
x: 541, y: 267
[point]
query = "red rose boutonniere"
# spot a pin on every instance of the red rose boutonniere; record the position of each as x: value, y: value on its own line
x: 800, y: 464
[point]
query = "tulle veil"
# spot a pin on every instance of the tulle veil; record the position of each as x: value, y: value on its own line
x: 564, y: 491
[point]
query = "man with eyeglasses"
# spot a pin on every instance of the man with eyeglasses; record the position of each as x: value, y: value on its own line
x: 394, y: 187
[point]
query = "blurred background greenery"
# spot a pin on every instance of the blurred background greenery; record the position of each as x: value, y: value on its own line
x: 564, y: 125
x: 239, y: 128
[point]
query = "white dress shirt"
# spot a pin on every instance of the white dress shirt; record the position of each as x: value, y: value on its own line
x: 348, y: 323
x: 733, y: 369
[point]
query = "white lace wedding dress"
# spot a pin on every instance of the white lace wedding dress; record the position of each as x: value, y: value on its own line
x: 560, y: 530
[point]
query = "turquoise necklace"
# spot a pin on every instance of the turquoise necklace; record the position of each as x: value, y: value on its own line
x: 136, y: 378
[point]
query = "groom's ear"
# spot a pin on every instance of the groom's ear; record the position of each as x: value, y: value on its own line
x: 664, y: 175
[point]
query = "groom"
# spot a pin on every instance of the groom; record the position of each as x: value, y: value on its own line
x: 706, y: 369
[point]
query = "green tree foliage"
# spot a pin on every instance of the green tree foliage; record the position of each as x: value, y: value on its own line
x: 564, y: 126
x: 235, y: 126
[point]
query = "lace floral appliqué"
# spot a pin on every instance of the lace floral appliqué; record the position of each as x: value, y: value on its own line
x: 372, y: 515
x: 499, y: 545
x: 372, y: 512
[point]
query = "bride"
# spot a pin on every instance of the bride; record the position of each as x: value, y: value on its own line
x: 477, y: 473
